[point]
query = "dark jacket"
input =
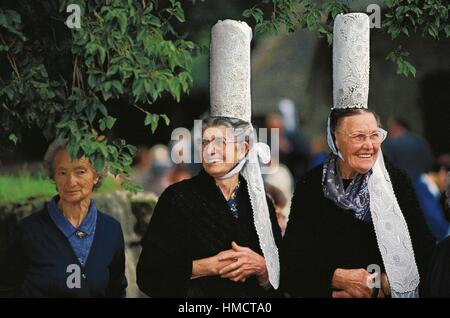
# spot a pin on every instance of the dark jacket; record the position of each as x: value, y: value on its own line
x: 321, y: 237
x: 191, y: 221
x: 41, y: 262
x: 439, y: 274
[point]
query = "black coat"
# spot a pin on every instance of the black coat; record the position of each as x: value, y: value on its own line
x: 191, y: 221
x: 440, y: 270
x: 322, y: 237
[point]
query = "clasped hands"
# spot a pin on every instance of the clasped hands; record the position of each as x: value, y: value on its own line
x: 236, y: 264
x: 354, y: 283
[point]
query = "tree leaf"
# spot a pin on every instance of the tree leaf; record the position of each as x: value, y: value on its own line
x: 102, y: 109
x: 148, y: 119
x: 152, y: 120
x: 122, y: 20
x: 101, y: 54
x: 138, y: 87
x: 99, y: 162
x: 102, y: 124
x: 13, y: 138
x: 166, y: 119
x: 110, y: 122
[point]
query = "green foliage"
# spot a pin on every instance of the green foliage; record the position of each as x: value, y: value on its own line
x: 401, y: 18
x: 404, y: 18
x: 124, y: 49
x: 430, y: 17
x: 403, y: 66
x: 17, y: 189
x: 294, y: 14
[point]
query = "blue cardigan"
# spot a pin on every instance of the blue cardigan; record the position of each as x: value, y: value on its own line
x: 41, y: 262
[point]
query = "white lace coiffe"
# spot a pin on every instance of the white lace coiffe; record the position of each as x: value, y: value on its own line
x: 394, y: 241
x: 263, y: 225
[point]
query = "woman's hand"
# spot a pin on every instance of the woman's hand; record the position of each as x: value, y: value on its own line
x: 353, y: 283
x: 210, y: 266
x: 245, y: 263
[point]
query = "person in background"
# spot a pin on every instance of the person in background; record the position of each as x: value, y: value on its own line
x: 178, y: 172
x: 141, y: 173
x: 293, y: 147
x: 318, y: 152
x: 430, y: 189
x: 406, y: 149
x: 439, y: 274
x: 279, y: 202
x: 279, y: 179
x: 161, y: 165
x: 447, y: 199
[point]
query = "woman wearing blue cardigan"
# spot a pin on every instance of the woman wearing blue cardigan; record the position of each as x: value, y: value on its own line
x: 69, y: 249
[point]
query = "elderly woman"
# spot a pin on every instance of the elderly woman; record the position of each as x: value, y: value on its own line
x: 356, y: 229
x: 330, y: 242
x: 202, y: 241
x: 216, y: 234
x: 69, y: 249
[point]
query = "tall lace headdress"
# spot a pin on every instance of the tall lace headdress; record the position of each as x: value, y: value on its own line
x: 230, y: 97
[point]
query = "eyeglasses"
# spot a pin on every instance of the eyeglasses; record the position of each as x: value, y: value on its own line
x: 359, y: 138
x: 218, y: 142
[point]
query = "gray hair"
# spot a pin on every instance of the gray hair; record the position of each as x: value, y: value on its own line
x: 49, y: 157
x: 338, y: 114
x: 242, y: 129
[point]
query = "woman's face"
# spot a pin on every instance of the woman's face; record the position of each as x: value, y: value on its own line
x: 353, y: 141
x: 74, y: 180
x: 220, y: 150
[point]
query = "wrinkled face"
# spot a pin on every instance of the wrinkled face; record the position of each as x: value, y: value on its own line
x: 74, y: 180
x: 220, y: 150
x: 359, y: 151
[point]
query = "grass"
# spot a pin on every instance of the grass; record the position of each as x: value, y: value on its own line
x: 17, y: 189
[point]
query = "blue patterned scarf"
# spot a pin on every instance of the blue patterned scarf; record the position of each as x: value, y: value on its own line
x: 356, y: 197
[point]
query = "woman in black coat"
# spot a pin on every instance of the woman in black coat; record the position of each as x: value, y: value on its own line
x: 330, y: 246
x: 201, y: 240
